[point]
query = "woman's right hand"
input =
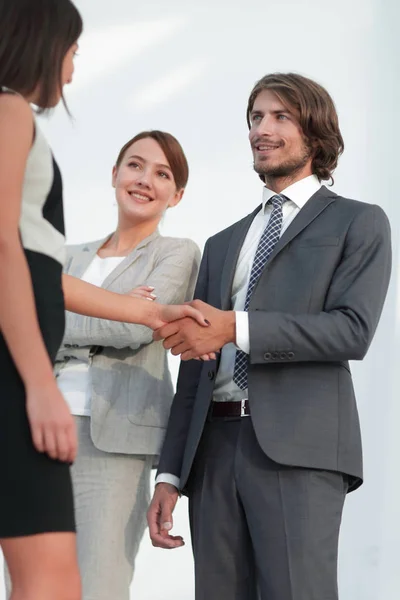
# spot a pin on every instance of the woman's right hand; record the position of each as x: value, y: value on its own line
x: 165, y: 313
x: 171, y: 312
x: 52, y: 425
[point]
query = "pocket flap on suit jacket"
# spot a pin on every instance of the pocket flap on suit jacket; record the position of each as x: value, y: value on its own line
x: 320, y: 241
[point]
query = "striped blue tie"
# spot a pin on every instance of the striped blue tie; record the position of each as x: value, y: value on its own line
x: 267, y: 242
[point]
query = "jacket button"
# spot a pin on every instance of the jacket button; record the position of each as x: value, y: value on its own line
x: 283, y: 355
x: 75, y: 346
x: 211, y: 375
x: 290, y: 354
x: 274, y: 355
x: 267, y: 356
x: 67, y: 345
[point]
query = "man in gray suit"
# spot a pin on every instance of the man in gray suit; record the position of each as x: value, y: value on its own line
x: 266, y: 441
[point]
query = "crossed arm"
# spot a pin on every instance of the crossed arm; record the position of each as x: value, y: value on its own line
x: 173, y: 279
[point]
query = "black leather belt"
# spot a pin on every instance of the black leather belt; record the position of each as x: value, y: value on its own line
x: 240, y: 408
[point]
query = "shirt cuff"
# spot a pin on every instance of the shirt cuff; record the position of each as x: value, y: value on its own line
x: 242, y: 331
x: 168, y: 478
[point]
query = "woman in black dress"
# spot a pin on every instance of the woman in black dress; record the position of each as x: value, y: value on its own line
x: 38, y: 40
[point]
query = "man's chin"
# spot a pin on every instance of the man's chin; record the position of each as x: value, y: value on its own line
x: 273, y: 171
x: 264, y: 170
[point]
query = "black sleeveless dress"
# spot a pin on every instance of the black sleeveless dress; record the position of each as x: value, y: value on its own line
x: 36, y: 491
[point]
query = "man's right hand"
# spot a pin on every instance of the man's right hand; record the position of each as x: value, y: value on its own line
x: 159, y: 517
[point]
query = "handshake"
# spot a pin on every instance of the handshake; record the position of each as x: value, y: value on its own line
x: 194, y: 330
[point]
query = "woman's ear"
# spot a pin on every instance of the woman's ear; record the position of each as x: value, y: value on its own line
x: 114, y: 175
x: 177, y: 198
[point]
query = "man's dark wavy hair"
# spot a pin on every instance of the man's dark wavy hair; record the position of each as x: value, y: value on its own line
x: 316, y: 114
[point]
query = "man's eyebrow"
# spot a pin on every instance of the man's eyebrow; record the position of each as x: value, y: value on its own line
x: 281, y: 111
x: 278, y: 111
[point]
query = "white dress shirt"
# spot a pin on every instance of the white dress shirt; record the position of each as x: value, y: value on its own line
x: 225, y: 389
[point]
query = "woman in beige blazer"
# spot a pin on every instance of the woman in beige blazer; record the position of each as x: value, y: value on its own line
x: 113, y: 375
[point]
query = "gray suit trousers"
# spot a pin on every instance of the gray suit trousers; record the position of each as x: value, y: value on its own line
x: 260, y: 529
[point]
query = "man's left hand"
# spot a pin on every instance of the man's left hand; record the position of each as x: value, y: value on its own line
x: 189, y: 339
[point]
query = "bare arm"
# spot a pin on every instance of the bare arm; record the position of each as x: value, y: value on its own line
x: 173, y: 279
x: 51, y: 423
x: 90, y: 300
x: 87, y: 299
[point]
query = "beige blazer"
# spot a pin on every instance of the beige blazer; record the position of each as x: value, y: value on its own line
x: 131, y: 385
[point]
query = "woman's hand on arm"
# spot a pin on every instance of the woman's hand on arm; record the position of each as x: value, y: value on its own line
x: 169, y: 281
x: 51, y: 423
x: 87, y: 299
x: 143, y: 291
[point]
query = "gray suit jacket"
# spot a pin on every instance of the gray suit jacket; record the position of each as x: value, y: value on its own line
x: 315, y: 307
x: 131, y: 384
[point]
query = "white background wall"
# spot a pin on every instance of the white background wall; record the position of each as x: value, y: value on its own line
x: 187, y: 67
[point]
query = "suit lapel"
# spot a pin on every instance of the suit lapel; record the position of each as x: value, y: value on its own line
x: 314, y: 207
x: 232, y: 255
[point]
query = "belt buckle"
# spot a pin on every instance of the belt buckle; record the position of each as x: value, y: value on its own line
x: 243, y: 407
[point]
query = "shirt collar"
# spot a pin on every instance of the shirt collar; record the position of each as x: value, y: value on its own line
x: 298, y: 192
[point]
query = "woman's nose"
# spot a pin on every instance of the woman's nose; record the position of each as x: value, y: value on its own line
x: 144, y: 179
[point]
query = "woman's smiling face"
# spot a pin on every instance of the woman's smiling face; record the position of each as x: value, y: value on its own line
x: 144, y: 184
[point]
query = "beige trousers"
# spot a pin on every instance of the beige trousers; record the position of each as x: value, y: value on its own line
x: 112, y: 494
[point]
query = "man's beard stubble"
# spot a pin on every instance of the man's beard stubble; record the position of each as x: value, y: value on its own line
x: 288, y: 169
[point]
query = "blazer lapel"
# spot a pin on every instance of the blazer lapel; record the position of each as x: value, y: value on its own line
x: 314, y: 207
x: 129, y: 259
x: 82, y: 260
x: 232, y: 255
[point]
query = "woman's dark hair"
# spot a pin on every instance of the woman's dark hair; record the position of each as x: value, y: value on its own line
x: 172, y: 150
x: 316, y: 113
x: 35, y: 36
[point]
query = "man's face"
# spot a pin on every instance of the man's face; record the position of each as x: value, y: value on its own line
x: 280, y: 149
